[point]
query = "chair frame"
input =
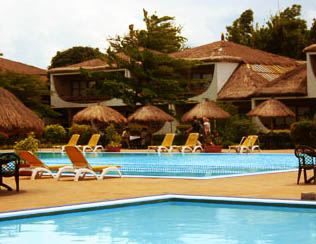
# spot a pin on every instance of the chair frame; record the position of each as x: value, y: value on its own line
x: 81, y: 171
x: 306, y: 161
x: 192, y: 148
x: 37, y: 167
x: 165, y: 145
x: 8, y: 158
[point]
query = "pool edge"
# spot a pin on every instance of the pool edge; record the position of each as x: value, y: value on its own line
x: 81, y: 207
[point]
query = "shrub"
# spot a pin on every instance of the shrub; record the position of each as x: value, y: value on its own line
x: 112, y: 136
x: 30, y: 143
x: 85, y: 132
x: 55, y: 133
x: 276, y: 140
x: 304, y: 133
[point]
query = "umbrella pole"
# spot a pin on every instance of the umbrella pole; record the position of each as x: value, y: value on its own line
x: 272, y: 125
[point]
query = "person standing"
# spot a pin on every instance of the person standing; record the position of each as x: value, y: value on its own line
x: 206, y: 126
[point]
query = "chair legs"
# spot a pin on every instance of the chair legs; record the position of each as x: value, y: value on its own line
x: 313, y: 178
x: 299, y: 175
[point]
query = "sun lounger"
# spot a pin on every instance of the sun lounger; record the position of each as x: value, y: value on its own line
x: 80, y: 166
x: 37, y: 167
x: 72, y: 141
x: 192, y: 144
x: 92, y: 144
x: 237, y: 146
x: 165, y: 145
x: 249, y: 144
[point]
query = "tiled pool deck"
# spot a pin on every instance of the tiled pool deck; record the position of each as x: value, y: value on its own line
x: 48, y: 192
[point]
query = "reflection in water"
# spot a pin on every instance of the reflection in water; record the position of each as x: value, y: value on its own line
x: 172, y: 222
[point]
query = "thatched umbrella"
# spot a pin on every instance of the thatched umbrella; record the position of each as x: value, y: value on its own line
x: 271, y: 108
x: 207, y: 109
x: 97, y: 115
x: 16, y: 117
x: 150, y: 115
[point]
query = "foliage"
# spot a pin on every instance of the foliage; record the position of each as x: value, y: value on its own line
x: 30, y: 143
x: 135, y: 128
x: 284, y: 34
x: 74, y: 55
x: 113, y: 137
x: 182, y: 128
x: 213, y: 138
x: 85, y: 132
x: 231, y: 130
x: 276, y: 140
x: 242, y: 29
x: 304, y: 133
x: 30, y: 89
x: 154, y: 77
x: 55, y: 133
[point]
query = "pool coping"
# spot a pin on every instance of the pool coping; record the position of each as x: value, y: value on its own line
x: 116, y: 203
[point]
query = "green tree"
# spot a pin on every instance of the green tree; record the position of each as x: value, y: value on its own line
x: 154, y: 76
x: 30, y: 89
x: 312, y: 33
x: 284, y: 34
x: 242, y: 29
x: 74, y: 55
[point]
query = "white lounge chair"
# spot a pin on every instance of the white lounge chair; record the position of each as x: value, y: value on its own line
x: 82, y: 167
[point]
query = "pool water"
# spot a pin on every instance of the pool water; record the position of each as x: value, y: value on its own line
x: 200, y: 165
x: 168, y: 222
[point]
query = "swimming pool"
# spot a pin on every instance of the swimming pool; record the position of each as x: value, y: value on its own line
x: 196, y: 165
x: 170, y: 219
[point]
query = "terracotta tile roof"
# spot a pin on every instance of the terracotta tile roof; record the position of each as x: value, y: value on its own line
x: 292, y: 83
x: 9, y: 65
x: 311, y: 48
x: 92, y: 64
x: 229, y: 49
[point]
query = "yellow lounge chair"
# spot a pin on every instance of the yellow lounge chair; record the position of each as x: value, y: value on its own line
x: 165, y: 145
x: 80, y: 166
x: 92, y: 144
x: 72, y: 141
x: 237, y: 146
x: 192, y: 144
x: 37, y: 167
x: 249, y: 144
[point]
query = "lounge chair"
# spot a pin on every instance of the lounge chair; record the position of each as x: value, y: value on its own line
x: 80, y: 166
x: 248, y: 144
x: 92, y: 144
x: 237, y: 146
x: 192, y: 144
x: 165, y: 145
x: 72, y: 141
x: 37, y: 167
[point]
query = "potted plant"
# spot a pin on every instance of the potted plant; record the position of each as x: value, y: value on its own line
x: 114, y: 139
x: 213, y: 143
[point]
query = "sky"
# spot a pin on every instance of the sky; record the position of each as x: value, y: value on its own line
x: 32, y: 31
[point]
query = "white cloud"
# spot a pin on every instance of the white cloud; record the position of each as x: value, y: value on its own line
x: 32, y: 31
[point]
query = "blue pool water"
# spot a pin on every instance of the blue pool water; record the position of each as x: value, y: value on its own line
x: 184, y: 165
x: 168, y: 222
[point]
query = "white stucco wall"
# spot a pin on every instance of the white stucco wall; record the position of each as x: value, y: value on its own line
x: 57, y: 102
x: 311, y: 78
x: 222, y: 72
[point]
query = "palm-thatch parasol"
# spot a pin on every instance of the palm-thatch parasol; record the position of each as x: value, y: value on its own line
x: 97, y: 115
x: 206, y: 108
x: 271, y: 108
x: 150, y: 115
x: 16, y: 117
